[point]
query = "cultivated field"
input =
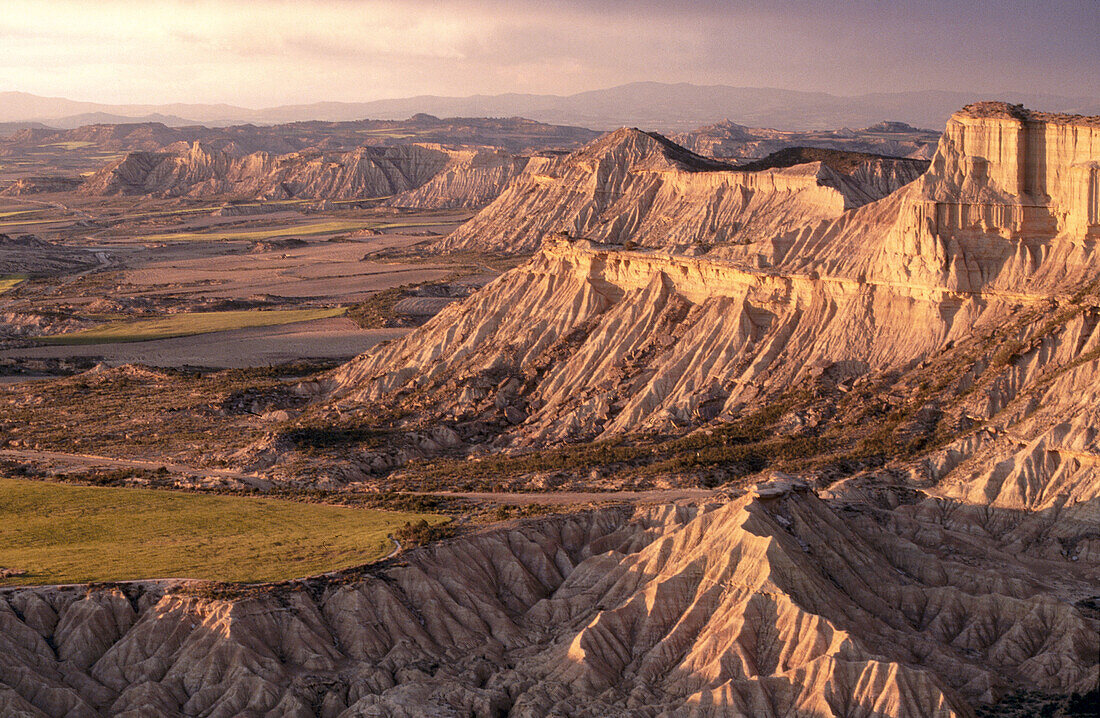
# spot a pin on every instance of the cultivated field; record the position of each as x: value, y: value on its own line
x: 59, y: 533
x: 10, y: 282
x: 182, y: 325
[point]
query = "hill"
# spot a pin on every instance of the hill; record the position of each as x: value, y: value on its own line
x: 660, y: 106
x: 639, y: 187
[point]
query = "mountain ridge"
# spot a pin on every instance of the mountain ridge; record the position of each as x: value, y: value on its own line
x: 660, y: 106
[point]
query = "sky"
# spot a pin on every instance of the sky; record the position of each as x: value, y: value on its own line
x: 264, y: 53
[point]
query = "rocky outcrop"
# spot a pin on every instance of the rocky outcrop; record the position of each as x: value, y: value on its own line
x: 733, y: 141
x: 978, y: 279
x: 471, y: 179
x: 1020, y: 174
x: 775, y: 603
x: 199, y: 171
x: 632, y: 186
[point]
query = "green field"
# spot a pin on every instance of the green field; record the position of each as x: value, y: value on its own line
x: 25, y: 223
x: 71, y: 144
x: 185, y: 325
x: 59, y: 533
x: 299, y: 230
x: 8, y: 281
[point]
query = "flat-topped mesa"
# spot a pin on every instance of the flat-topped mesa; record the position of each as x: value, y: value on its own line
x: 1003, y: 169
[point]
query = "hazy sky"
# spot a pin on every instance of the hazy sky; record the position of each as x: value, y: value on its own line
x: 258, y: 53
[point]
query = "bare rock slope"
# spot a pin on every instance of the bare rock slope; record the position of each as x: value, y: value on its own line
x: 633, y: 186
x: 472, y: 178
x: 200, y: 171
x: 415, y: 175
x: 969, y: 294
x: 773, y: 604
x: 733, y: 141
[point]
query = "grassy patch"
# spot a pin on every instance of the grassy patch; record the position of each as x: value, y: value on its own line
x: 73, y: 534
x: 9, y: 281
x: 182, y: 325
x: 28, y: 222
x: 71, y: 144
x: 298, y: 230
x: 335, y: 226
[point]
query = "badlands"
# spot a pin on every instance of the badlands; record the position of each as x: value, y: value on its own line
x: 770, y: 430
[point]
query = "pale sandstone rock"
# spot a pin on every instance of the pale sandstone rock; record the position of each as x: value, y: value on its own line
x: 472, y: 178
x: 610, y: 341
x: 200, y: 171
x: 636, y: 186
x: 778, y: 604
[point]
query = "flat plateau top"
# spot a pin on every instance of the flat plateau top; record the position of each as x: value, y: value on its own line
x: 1006, y: 111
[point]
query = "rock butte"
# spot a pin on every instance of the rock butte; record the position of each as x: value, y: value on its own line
x: 924, y: 590
x: 590, y: 340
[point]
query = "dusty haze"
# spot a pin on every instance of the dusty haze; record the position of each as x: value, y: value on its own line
x: 202, y: 51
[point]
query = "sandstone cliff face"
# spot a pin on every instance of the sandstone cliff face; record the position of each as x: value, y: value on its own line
x: 775, y: 603
x: 1026, y: 176
x: 471, y: 179
x: 961, y: 276
x: 199, y: 171
x: 639, y: 187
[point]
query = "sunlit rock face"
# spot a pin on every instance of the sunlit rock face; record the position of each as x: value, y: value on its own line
x: 589, y: 340
x: 197, y: 170
x: 638, y: 187
x: 772, y: 603
x: 1018, y: 173
x: 471, y: 179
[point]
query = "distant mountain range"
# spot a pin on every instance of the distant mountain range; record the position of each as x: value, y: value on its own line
x: 650, y: 105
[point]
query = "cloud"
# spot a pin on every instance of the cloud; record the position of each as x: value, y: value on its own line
x: 272, y: 52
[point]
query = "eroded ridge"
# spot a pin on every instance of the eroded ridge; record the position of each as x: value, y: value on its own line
x: 775, y: 602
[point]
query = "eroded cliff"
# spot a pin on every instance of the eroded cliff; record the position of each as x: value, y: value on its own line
x: 199, y: 171
x: 961, y: 281
x: 638, y: 187
x: 471, y: 179
x: 774, y: 603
